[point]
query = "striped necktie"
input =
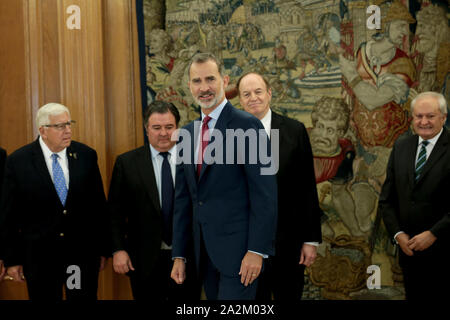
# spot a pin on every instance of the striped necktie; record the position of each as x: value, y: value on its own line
x: 421, y: 159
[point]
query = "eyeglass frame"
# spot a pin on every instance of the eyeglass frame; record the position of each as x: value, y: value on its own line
x: 60, y: 126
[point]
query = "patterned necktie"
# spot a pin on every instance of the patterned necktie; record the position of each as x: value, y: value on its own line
x: 204, y: 142
x: 421, y: 159
x: 167, y: 195
x: 58, y: 179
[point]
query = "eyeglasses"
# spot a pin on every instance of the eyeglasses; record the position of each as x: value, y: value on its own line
x: 61, y: 126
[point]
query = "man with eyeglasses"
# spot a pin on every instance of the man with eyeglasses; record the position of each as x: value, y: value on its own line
x: 52, y: 212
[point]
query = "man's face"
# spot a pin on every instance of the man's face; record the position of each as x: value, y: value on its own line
x: 206, y: 84
x: 427, y: 118
x: 427, y: 37
x: 398, y: 29
x: 325, y: 137
x: 254, y: 96
x: 57, y: 139
x: 160, y: 127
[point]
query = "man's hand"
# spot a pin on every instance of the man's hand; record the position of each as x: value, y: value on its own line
x: 2, y: 270
x: 308, y: 254
x: 422, y: 241
x: 178, y: 273
x: 121, y: 262
x: 16, y: 272
x: 403, y: 240
x: 250, y: 268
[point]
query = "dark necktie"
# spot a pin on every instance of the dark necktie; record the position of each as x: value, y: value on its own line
x: 167, y: 194
x: 58, y: 179
x: 421, y: 159
x: 204, y: 140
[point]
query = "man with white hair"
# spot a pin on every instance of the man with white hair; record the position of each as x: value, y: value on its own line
x: 414, y: 199
x: 51, y: 212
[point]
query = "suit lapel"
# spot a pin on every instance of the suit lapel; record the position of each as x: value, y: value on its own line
x: 72, y: 159
x: 42, y: 169
x: 221, y: 125
x: 438, y: 151
x: 147, y: 175
x: 410, y: 155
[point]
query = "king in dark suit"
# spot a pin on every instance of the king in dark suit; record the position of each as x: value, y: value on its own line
x: 141, y: 219
x: 299, y: 231
x: 230, y: 206
x: 53, y: 212
x: 414, y: 199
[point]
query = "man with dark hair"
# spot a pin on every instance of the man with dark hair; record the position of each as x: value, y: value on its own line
x: 298, y: 232
x: 141, y: 204
x: 231, y: 207
x: 414, y: 199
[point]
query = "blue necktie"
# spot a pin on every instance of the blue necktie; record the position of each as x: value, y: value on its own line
x: 59, y: 180
x: 167, y: 195
x: 421, y: 159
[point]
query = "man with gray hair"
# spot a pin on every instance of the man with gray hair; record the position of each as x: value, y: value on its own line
x: 52, y: 212
x: 414, y: 199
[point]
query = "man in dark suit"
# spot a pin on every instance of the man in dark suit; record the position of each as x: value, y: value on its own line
x: 230, y: 205
x: 2, y: 169
x: 141, y: 219
x: 298, y: 232
x: 414, y: 199
x: 52, y: 212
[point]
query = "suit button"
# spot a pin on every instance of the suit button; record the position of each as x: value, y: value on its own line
x: 65, y: 212
x: 61, y: 234
x: 200, y: 203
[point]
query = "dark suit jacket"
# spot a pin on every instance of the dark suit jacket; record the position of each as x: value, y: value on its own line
x: 135, y: 212
x: 298, y: 204
x: 32, y: 215
x: 2, y: 169
x: 232, y: 206
x: 414, y: 207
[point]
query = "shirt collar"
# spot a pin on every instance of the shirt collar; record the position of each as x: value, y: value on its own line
x: 48, y: 153
x: 267, y: 121
x: 155, y: 152
x: 433, y: 140
x: 217, y: 111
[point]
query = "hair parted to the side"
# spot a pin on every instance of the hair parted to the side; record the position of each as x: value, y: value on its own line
x: 47, y: 110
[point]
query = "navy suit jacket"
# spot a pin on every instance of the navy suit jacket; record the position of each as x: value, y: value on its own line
x: 231, y: 206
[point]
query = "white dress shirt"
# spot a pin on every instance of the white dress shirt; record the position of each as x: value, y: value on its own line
x: 62, y: 160
x: 157, y: 161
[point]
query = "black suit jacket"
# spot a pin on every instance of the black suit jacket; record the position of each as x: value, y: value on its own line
x: 298, y: 206
x: 135, y: 212
x: 2, y: 168
x: 414, y: 207
x: 32, y: 216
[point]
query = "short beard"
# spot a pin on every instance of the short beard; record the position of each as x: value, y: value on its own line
x: 214, y: 102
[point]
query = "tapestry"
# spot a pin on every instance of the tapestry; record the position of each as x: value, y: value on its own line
x: 347, y: 79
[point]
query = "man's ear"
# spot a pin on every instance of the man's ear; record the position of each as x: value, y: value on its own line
x: 42, y: 132
x: 226, y: 81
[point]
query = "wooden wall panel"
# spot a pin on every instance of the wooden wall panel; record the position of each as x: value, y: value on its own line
x: 94, y: 71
